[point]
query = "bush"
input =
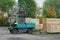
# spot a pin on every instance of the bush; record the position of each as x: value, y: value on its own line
x: 3, y: 22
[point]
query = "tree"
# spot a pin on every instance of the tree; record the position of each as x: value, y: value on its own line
x: 5, y: 6
x: 30, y: 7
x: 54, y: 5
x: 52, y: 12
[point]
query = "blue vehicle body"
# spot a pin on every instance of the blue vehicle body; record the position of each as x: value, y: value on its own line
x: 24, y: 25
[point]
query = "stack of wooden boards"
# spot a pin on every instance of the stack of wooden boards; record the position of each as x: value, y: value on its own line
x: 51, y: 25
x: 36, y: 21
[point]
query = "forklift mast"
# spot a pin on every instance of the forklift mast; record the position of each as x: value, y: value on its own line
x: 22, y: 15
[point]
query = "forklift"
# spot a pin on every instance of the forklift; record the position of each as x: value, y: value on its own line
x: 20, y: 26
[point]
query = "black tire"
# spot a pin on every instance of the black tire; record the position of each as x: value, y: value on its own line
x: 11, y: 31
x: 30, y: 31
x: 14, y: 31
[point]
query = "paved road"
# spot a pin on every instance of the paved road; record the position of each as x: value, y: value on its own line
x: 5, y: 35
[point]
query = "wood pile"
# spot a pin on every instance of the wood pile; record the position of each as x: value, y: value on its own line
x: 51, y: 25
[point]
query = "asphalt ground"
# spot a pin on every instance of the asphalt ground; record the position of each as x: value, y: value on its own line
x: 6, y: 35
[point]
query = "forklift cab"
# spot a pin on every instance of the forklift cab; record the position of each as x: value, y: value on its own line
x: 13, y: 22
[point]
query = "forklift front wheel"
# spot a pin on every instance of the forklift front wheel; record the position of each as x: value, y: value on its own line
x: 30, y: 31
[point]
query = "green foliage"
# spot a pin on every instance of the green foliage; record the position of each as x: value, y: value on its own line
x: 40, y: 20
x: 5, y: 5
x: 30, y: 6
x: 55, y: 4
x: 44, y: 12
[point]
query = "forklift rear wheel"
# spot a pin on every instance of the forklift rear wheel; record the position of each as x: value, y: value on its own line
x: 11, y: 31
x: 14, y: 31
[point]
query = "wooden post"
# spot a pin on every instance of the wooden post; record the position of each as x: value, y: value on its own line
x: 44, y: 25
